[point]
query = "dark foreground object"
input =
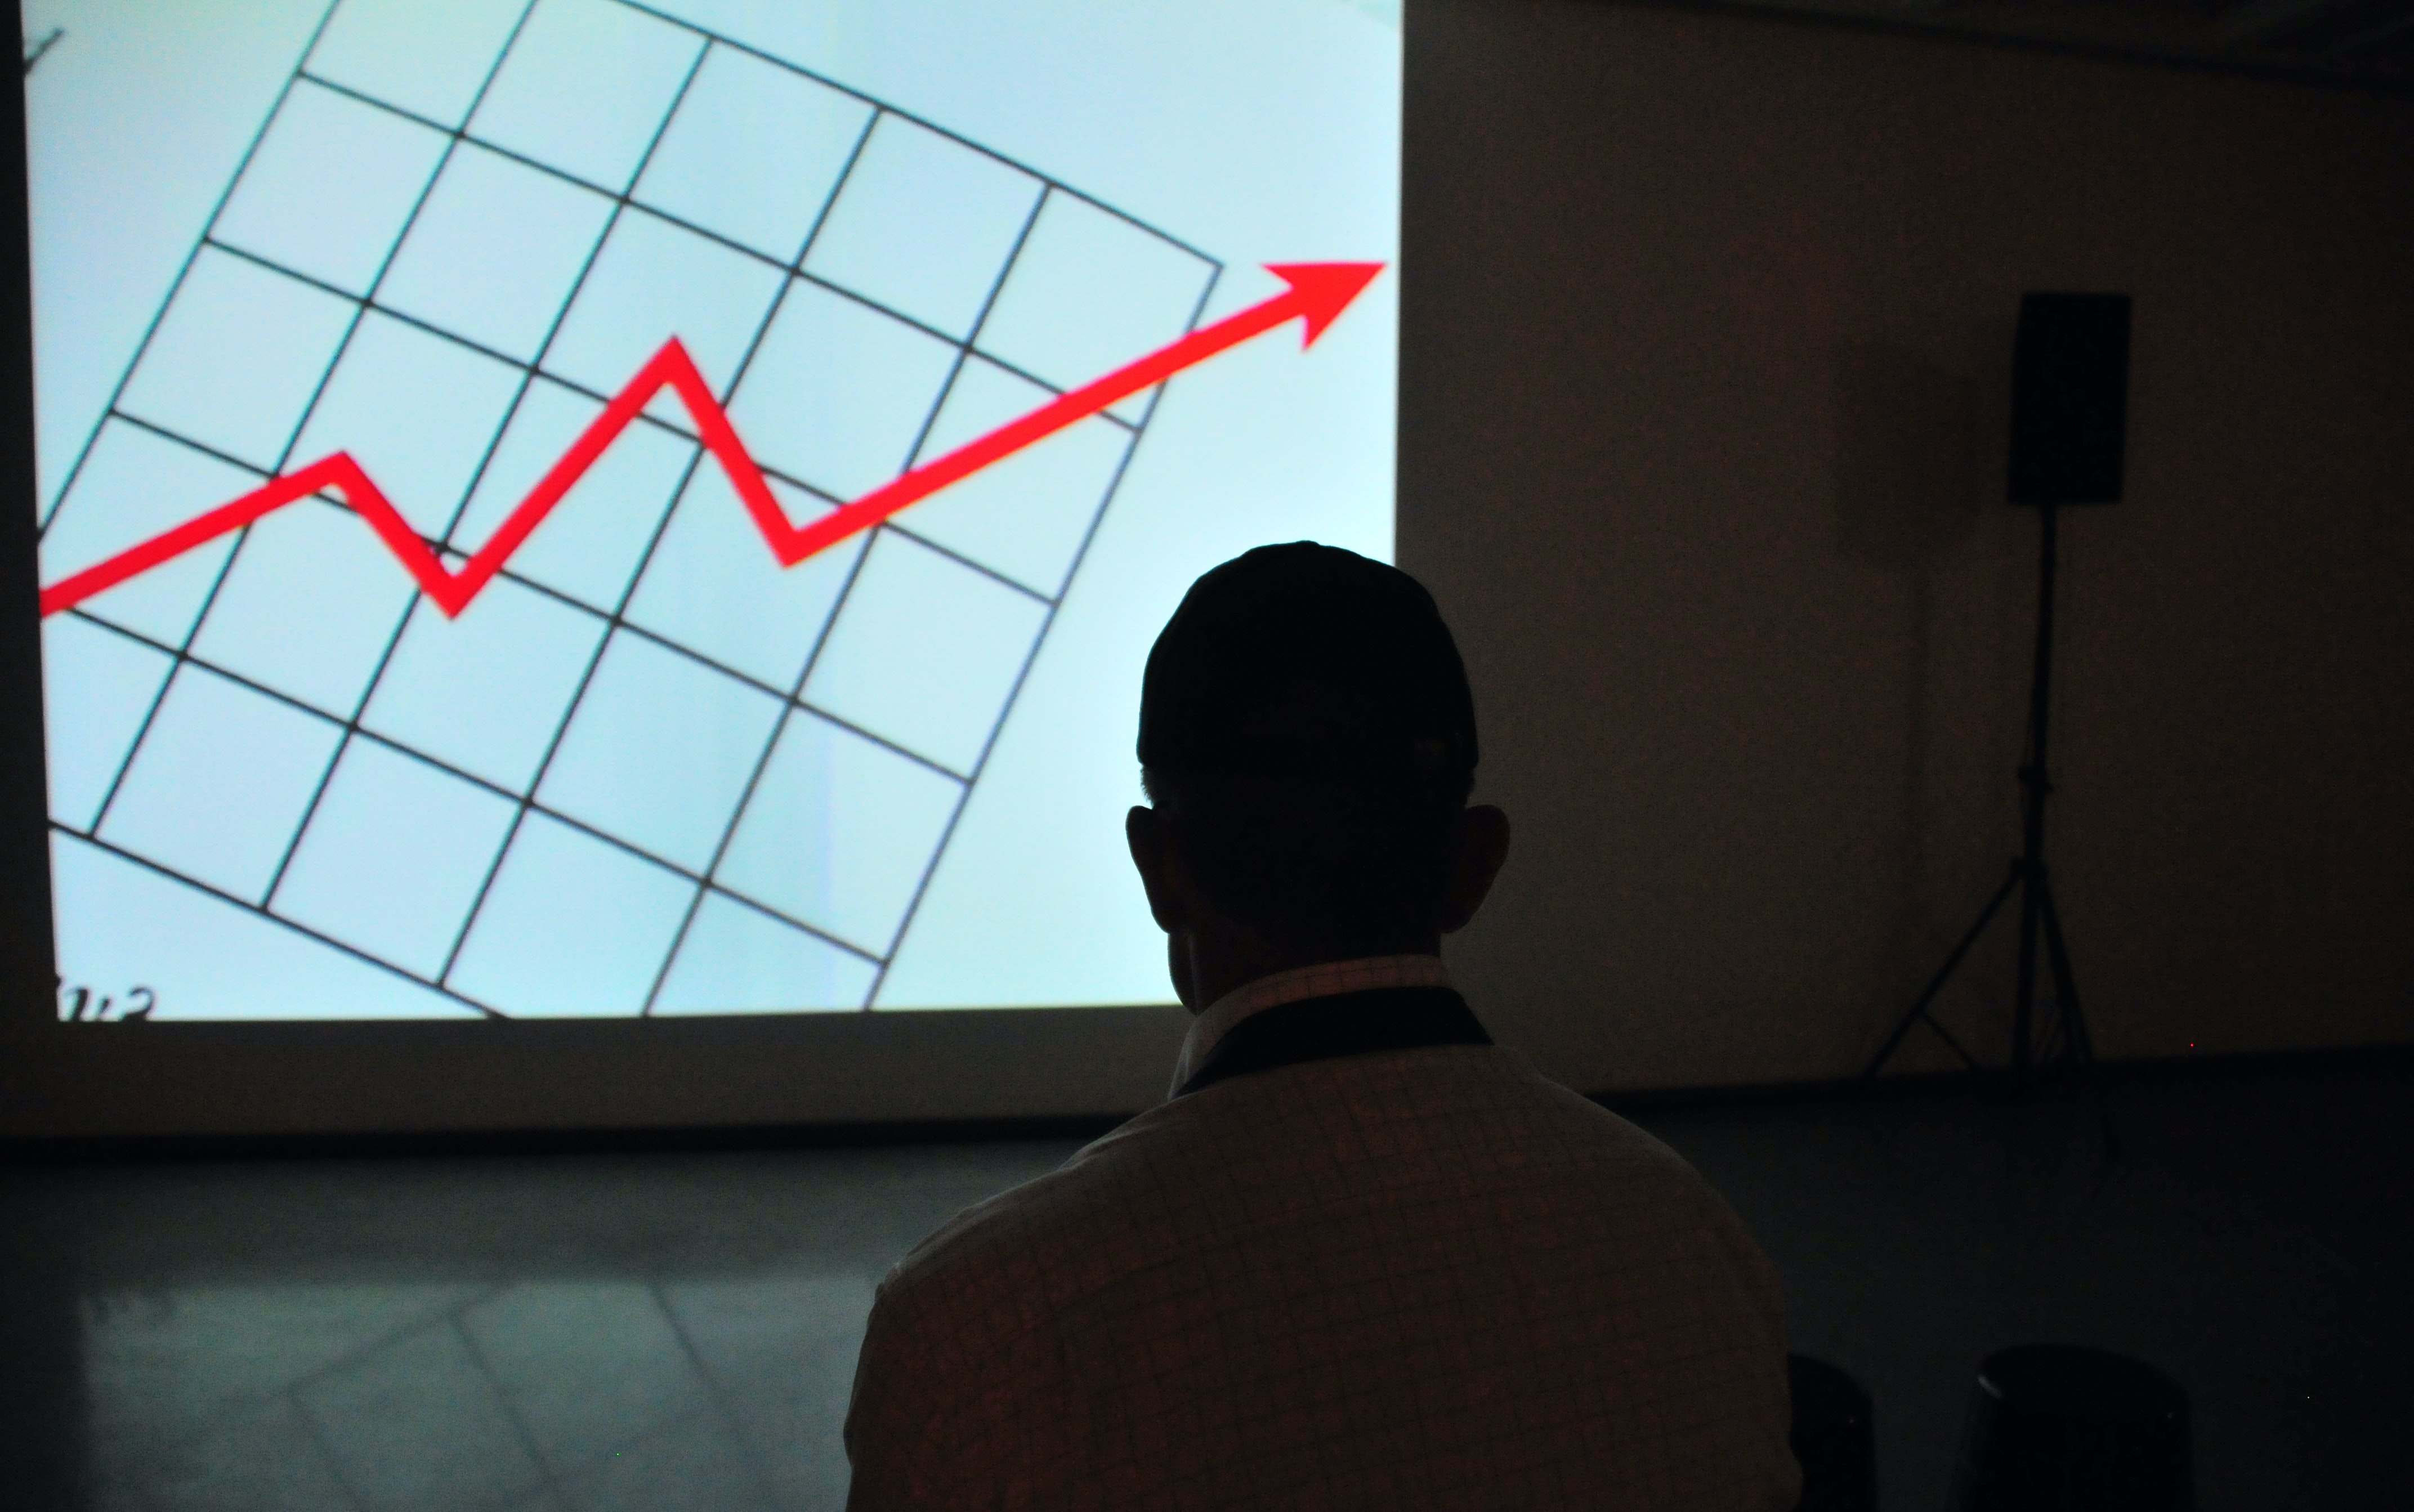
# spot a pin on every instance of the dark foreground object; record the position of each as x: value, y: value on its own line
x: 2056, y: 1428
x: 1834, y: 1438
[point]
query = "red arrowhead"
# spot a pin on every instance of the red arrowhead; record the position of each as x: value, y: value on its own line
x: 1321, y: 291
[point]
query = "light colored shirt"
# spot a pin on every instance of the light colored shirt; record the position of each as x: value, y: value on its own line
x: 1329, y: 980
x: 1425, y: 1277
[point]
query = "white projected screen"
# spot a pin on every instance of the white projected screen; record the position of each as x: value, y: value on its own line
x: 601, y: 509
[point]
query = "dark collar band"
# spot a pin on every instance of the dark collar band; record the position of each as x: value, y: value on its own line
x: 1348, y: 1023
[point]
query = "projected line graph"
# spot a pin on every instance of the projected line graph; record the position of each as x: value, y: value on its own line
x: 1318, y: 293
x: 618, y: 615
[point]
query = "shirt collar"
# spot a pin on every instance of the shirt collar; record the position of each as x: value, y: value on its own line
x: 1328, y: 979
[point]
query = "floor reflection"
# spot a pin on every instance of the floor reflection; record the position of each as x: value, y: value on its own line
x: 578, y: 1394
x: 556, y: 1336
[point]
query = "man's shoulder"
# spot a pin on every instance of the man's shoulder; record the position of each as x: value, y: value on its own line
x: 1016, y: 1259
x: 1484, y: 1109
x: 1099, y: 1187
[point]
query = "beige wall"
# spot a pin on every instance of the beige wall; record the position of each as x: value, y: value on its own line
x: 1706, y: 336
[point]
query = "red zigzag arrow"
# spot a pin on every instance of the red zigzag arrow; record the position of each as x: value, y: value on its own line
x: 1318, y: 293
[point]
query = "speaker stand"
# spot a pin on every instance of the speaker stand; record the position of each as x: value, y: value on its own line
x: 2067, y: 1045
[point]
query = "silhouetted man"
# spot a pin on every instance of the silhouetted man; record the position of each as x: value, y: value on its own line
x: 1361, y: 1257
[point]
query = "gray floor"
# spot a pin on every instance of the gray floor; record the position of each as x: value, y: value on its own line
x: 673, y: 1331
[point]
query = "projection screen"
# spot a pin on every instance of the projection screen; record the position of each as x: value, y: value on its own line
x: 591, y: 509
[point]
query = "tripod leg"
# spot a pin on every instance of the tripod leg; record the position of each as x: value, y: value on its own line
x: 1936, y: 984
x: 2024, y: 993
x: 2074, y: 1022
x: 1951, y: 1044
x: 2065, y: 985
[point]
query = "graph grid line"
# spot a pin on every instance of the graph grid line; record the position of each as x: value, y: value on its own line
x: 614, y: 618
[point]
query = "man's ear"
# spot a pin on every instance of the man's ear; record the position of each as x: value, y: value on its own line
x: 1155, y: 855
x: 1478, y: 849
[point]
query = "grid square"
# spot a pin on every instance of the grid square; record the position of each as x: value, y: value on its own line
x: 926, y: 653
x: 496, y: 251
x: 485, y: 693
x: 571, y: 925
x: 586, y: 85
x: 416, y: 411
x: 330, y: 187
x: 713, y: 586
x: 425, y: 56
x: 754, y: 152
x: 392, y: 857
x: 660, y: 751
x: 235, y: 360
x: 653, y: 281
x: 101, y: 684
x: 924, y: 224
x: 839, y: 833
x: 219, y: 785
x: 739, y: 959
x: 134, y: 485
x: 120, y: 921
x: 839, y: 392
x: 1027, y: 516
x: 588, y: 547
x: 310, y: 606
x: 1089, y: 292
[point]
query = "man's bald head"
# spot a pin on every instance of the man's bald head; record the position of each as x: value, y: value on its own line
x: 1307, y: 732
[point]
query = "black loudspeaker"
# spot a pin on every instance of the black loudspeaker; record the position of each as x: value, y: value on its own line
x: 2070, y: 398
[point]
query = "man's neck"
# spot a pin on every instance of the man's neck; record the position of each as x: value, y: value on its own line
x: 1222, y: 955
